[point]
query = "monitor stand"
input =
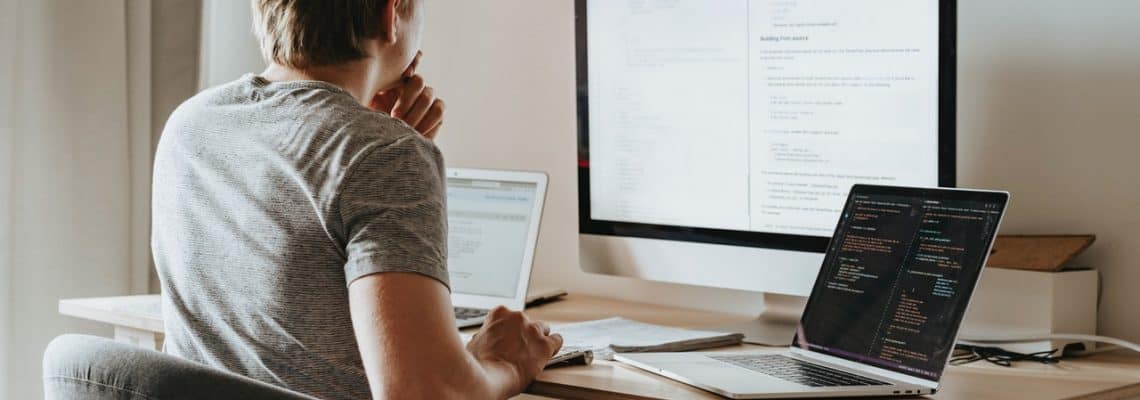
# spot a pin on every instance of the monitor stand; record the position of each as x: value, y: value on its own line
x: 776, y: 323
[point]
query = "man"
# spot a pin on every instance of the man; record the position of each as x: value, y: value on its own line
x: 300, y: 226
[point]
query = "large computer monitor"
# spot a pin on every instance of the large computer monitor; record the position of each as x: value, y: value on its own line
x: 717, y: 139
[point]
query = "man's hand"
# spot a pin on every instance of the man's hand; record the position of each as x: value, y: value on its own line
x: 412, y: 102
x: 512, y: 338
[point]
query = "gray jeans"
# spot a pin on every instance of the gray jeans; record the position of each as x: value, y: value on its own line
x: 89, y: 367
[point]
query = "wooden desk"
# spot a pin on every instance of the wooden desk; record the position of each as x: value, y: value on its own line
x: 1107, y: 376
x: 137, y: 319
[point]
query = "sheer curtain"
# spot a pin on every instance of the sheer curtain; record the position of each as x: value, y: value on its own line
x: 83, y: 87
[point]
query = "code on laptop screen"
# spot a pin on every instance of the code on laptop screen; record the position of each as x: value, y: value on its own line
x: 898, y: 275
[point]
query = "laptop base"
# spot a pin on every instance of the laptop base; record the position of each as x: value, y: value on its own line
x: 700, y: 370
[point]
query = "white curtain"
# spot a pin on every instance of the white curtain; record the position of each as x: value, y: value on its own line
x: 79, y: 113
x: 7, y: 109
x: 229, y: 49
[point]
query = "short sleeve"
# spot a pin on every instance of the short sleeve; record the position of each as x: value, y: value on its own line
x: 393, y: 209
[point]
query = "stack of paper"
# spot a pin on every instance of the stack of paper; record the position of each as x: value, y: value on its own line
x: 620, y: 335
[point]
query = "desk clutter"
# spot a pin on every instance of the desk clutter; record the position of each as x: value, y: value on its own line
x: 585, y: 341
x: 620, y: 335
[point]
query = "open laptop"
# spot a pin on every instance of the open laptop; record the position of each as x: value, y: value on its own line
x: 493, y: 218
x: 885, y: 310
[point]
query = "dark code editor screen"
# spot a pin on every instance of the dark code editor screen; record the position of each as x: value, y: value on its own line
x: 897, y: 278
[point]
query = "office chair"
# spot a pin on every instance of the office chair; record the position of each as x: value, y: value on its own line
x: 95, y: 368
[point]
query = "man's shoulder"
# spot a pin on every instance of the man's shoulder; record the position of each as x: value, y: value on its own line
x: 375, y: 135
x: 376, y: 128
x: 377, y: 147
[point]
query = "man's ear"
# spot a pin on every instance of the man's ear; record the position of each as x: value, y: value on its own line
x: 389, y: 18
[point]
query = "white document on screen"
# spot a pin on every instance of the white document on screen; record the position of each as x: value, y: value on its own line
x: 757, y: 115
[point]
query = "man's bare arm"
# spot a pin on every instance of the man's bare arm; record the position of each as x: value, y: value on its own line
x: 410, y: 346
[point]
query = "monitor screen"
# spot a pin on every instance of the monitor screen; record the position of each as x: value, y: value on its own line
x: 898, y: 275
x: 747, y: 122
x: 488, y: 222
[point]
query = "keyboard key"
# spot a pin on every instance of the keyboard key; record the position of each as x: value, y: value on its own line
x: 793, y: 370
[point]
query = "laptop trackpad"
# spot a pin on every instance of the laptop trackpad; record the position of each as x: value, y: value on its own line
x: 730, y: 378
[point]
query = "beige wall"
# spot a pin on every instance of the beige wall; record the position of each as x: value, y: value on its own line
x: 1048, y: 99
x: 1049, y: 95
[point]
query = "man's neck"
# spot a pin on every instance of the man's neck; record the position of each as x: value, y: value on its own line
x: 360, y: 78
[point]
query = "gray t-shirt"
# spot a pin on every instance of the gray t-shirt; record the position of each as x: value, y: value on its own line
x: 269, y: 199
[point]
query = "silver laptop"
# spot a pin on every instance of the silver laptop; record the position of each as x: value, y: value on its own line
x: 885, y: 310
x: 493, y: 218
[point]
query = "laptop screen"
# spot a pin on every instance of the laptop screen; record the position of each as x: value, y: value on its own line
x: 897, y: 276
x: 488, y: 222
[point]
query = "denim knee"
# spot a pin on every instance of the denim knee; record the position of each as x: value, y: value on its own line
x: 87, y: 367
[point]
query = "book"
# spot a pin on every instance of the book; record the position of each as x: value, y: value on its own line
x: 620, y: 335
x: 1049, y: 253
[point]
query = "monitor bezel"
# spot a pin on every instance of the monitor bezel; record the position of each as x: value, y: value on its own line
x: 947, y: 152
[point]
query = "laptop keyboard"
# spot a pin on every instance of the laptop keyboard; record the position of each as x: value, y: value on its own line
x: 469, y: 313
x: 793, y: 370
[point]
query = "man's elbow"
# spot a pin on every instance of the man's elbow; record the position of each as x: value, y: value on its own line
x: 446, y: 384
